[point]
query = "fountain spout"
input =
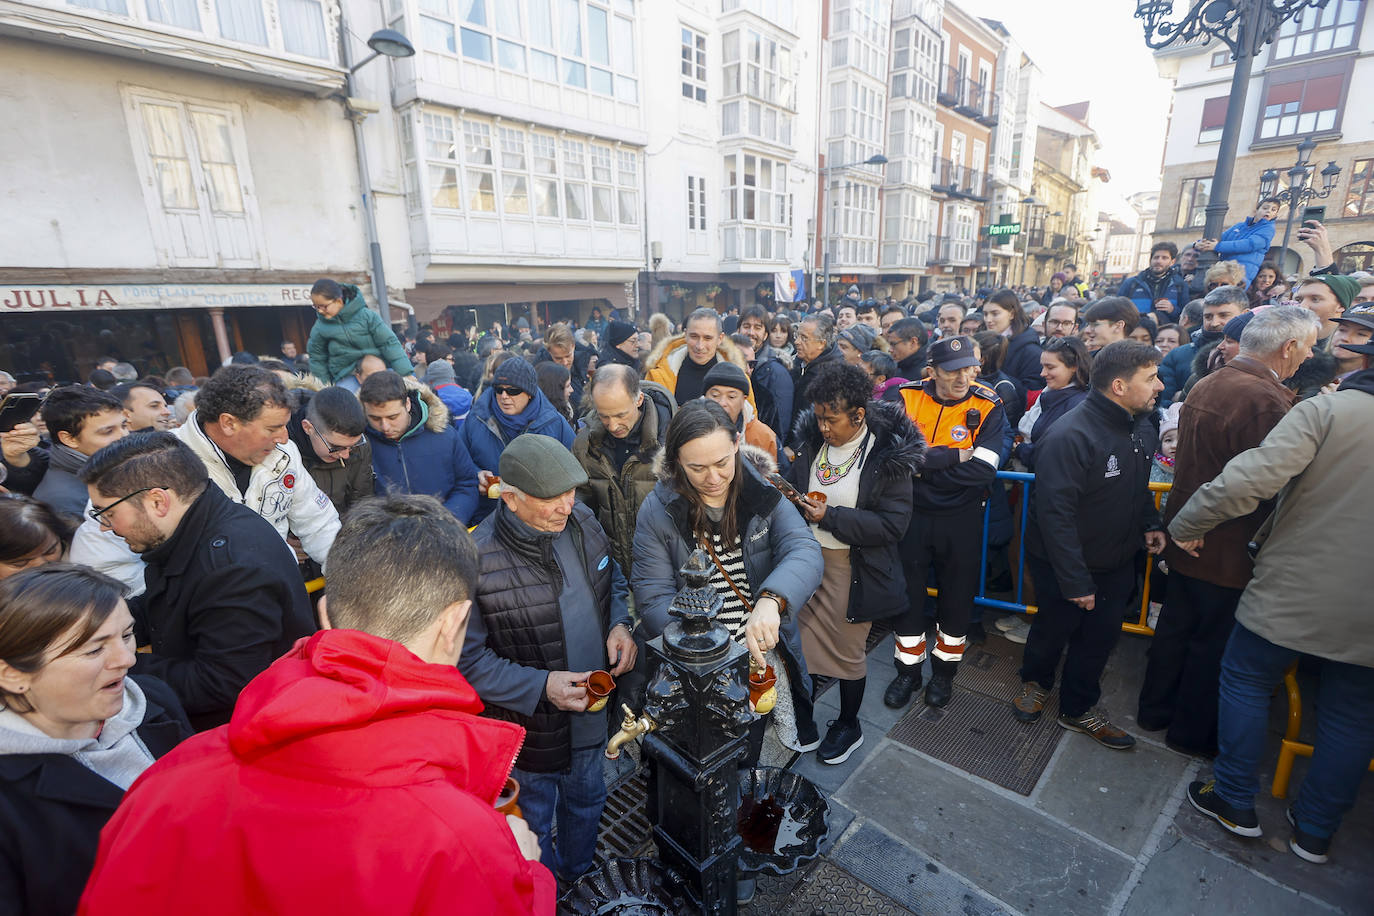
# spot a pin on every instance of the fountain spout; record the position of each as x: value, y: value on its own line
x: 630, y: 729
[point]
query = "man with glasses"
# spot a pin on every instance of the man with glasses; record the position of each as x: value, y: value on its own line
x: 224, y: 597
x: 327, y: 429
x: 1061, y: 321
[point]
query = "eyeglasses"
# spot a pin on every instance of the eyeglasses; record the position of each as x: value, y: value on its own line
x: 508, y: 392
x: 98, y: 515
x: 322, y: 308
x: 331, y: 447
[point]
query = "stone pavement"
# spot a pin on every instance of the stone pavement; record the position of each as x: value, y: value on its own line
x: 1103, y: 832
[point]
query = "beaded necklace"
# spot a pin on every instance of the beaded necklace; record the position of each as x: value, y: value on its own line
x: 827, y: 473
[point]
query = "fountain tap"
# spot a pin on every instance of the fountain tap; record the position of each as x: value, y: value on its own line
x: 630, y: 729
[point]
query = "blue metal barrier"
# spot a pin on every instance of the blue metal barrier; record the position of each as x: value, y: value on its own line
x: 1019, y: 606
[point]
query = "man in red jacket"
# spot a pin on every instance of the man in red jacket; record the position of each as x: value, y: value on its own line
x: 355, y: 775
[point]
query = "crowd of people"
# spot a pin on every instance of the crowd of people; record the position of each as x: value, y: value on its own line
x: 188, y: 722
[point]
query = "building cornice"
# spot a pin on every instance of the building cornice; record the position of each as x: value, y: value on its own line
x: 73, y: 28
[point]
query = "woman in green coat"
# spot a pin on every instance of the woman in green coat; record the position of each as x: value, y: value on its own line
x: 346, y: 331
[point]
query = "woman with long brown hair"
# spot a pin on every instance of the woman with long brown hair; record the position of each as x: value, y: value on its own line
x: 765, y: 562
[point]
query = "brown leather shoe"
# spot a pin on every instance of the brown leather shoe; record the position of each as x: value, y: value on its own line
x: 1031, y: 703
x: 1095, y: 725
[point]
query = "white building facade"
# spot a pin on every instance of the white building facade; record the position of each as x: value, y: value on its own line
x: 732, y: 89
x: 176, y: 179
x: 908, y: 208
x: 1011, y: 166
x: 510, y: 172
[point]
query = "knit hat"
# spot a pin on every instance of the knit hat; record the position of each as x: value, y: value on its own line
x: 860, y: 337
x: 540, y: 466
x: 1345, y: 288
x: 516, y: 373
x: 617, y: 332
x: 1170, y: 421
x: 727, y: 375
x: 440, y: 372
x: 1236, y: 326
x: 1061, y: 277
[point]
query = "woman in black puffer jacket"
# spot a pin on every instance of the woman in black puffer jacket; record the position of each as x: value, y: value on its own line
x: 859, y: 456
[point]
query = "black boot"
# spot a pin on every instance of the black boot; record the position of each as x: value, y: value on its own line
x: 906, y: 683
x: 941, y: 686
x: 939, y: 691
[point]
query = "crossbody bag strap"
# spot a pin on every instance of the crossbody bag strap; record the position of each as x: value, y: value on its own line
x: 748, y: 605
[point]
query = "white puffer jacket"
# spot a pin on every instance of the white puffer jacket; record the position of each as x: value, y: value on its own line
x: 279, y: 489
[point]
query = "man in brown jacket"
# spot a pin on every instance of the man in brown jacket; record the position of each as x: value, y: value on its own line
x: 1228, y: 412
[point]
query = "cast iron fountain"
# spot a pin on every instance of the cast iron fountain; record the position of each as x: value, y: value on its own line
x: 695, y: 724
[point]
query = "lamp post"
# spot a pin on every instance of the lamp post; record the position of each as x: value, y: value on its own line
x: 1029, y: 202
x: 388, y: 43
x: 1244, y: 26
x: 1297, y: 191
x: 878, y: 159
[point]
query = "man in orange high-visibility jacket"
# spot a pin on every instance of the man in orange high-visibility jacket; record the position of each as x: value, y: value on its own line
x: 963, y: 422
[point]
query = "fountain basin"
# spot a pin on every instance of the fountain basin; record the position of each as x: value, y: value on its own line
x: 783, y: 820
x: 629, y: 887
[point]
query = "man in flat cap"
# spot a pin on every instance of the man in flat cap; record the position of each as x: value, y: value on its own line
x: 550, y: 609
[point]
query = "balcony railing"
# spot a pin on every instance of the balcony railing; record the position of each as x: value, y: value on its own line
x: 969, y: 98
x: 946, y: 249
x: 958, y: 180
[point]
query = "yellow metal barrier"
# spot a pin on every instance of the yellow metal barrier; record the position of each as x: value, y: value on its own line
x: 1292, y: 748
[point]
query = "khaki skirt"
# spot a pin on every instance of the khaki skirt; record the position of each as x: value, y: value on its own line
x: 833, y: 646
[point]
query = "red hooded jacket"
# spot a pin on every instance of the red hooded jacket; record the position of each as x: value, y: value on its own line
x: 352, y: 778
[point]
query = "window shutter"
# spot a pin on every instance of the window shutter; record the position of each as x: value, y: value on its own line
x: 1214, y: 113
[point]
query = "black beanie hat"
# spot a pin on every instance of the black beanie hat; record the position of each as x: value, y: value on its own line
x: 617, y: 332
x: 516, y: 373
x: 727, y: 374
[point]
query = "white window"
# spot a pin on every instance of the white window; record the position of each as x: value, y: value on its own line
x: 756, y: 197
x: 693, y: 65
x: 627, y: 196
x: 696, y: 203
x: 1318, y: 31
x: 242, y: 20
x: 193, y: 161
x: 184, y: 14
x: 582, y: 44
x: 302, y: 28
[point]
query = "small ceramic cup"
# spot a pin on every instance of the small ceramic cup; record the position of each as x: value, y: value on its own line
x: 763, y: 694
x: 508, y: 801
x: 816, y: 496
x: 599, y: 687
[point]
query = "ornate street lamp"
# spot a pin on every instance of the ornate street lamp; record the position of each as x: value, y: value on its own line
x: 1244, y: 26
x: 1297, y: 192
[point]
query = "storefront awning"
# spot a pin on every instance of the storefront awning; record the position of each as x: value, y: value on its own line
x: 430, y: 299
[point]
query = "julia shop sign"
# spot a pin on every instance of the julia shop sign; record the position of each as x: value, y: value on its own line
x: 150, y: 296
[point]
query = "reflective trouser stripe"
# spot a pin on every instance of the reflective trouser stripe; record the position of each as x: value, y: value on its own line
x: 948, y: 648
x: 911, y: 650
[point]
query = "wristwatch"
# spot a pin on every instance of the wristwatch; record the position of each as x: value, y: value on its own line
x: 782, y: 602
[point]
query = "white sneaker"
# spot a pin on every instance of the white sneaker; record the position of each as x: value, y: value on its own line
x: 1008, y: 622
x: 1018, y: 633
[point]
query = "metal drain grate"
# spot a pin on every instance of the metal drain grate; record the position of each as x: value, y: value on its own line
x: 625, y: 829
x: 992, y: 668
x: 825, y: 890
x: 979, y: 735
